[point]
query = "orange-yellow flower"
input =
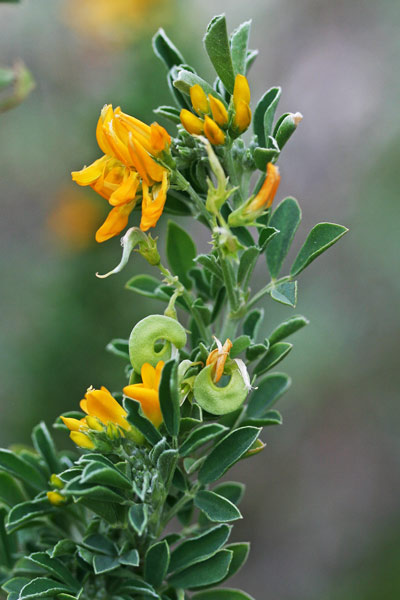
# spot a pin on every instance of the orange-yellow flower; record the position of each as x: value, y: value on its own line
x: 241, y: 102
x: 101, y: 404
x: 129, y: 147
x: 218, y: 358
x: 147, y: 392
x: 205, y: 106
x: 266, y: 195
x: 101, y: 410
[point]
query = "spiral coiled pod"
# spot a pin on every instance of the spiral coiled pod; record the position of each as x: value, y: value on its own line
x: 220, y: 400
x: 147, y: 332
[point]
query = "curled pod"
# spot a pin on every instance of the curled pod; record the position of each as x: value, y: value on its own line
x: 219, y: 400
x: 149, y: 331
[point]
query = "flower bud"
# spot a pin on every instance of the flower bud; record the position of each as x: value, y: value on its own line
x: 218, y: 111
x: 199, y: 99
x: 56, y: 481
x: 56, y: 499
x: 191, y: 123
x: 81, y: 440
x: 214, y: 134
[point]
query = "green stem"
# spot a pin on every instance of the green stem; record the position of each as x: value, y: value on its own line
x: 184, y: 185
x: 265, y: 290
x: 174, y: 281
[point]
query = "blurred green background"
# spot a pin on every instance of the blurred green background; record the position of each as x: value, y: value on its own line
x: 322, y: 505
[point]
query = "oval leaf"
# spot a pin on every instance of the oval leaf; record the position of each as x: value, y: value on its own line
x: 200, y: 436
x: 228, y: 451
x: 320, y: 238
x: 276, y: 353
x: 196, y: 549
x: 286, y: 218
x: 217, y: 508
x: 268, y: 392
x: 207, y: 572
x: 169, y: 397
x: 217, y: 45
x: 287, y: 328
x: 156, y: 563
x: 181, y: 252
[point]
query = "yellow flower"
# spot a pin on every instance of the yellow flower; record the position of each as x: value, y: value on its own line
x: 241, y: 102
x: 218, y: 358
x: 147, y: 392
x: 101, y: 404
x: 82, y: 440
x: 129, y: 147
x: 117, y: 22
x: 266, y: 195
x: 56, y: 498
x: 214, y: 134
x: 218, y: 110
x: 211, y: 127
x: 198, y: 99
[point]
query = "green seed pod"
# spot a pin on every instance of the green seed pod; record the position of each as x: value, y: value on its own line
x: 147, y: 332
x: 219, y: 400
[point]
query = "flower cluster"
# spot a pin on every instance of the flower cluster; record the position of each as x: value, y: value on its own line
x: 214, y: 119
x: 127, y: 170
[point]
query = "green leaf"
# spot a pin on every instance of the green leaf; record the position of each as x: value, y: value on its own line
x: 169, y: 397
x: 285, y: 293
x: 44, y: 445
x: 21, y: 469
x: 286, y: 218
x: 239, y: 345
x: 119, y: 347
x: 156, y: 563
x: 15, y: 584
x: 42, y: 587
x: 256, y: 350
x: 181, y: 252
x: 100, y: 544
x: 10, y: 492
x: 222, y: 594
x: 98, y: 492
x: 231, y: 490
x: 200, y: 436
x: 207, y: 572
x: 239, y: 45
x: 63, y: 548
x: 104, y: 564
x: 169, y: 112
x: 247, y: 263
x: 199, y: 548
x: 268, y: 392
x: 216, y: 42
x: 267, y: 234
x: 137, y: 588
x: 286, y: 128
x: 178, y: 203
x: 209, y: 262
x: 166, y: 463
x: 145, y: 285
x: 264, y: 114
x: 252, y: 322
x: 185, y: 79
x: 166, y: 50
x: 240, y: 554
x: 54, y: 567
x: 138, y: 420
x: 96, y: 472
x: 138, y: 515
x: 320, y: 238
x: 228, y: 451
x: 271, y: 417
x: 217, y: 508
x: 130, y: 559
x: 287, y: 328
x: 22, y: 514
x: 262, y: 156
x: 276, y: 353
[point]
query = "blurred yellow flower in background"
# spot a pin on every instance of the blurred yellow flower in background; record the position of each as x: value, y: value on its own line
x: 116, y: 21
x: 74, y: 218
x: 129, y: 146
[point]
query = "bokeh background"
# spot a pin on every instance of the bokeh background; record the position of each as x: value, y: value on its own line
x: 322, y: 505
